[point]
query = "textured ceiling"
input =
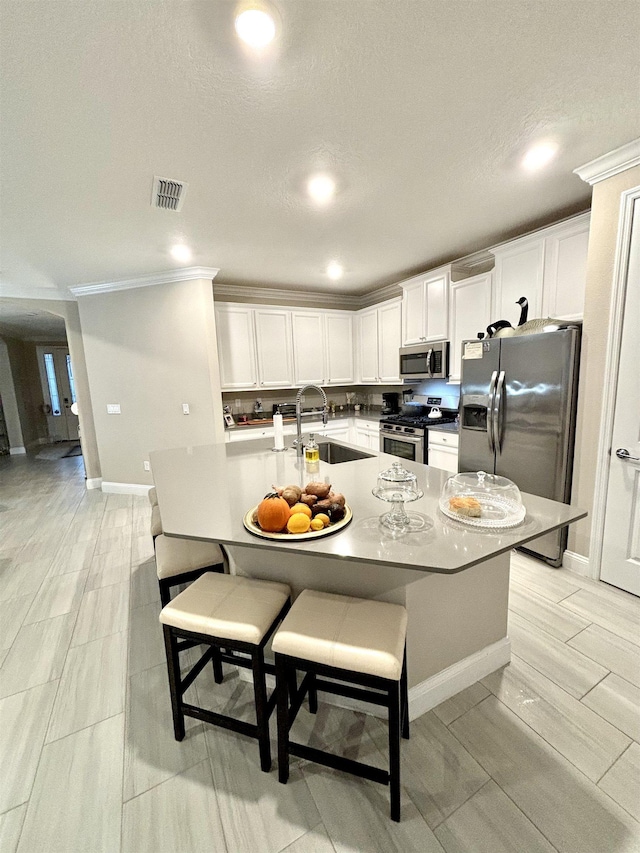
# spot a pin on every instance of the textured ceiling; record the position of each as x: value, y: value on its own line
x: 421, y: 111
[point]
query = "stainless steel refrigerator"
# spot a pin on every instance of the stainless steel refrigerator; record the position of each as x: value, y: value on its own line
x: 517, y: 416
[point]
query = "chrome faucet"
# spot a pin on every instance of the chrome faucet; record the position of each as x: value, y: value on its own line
x: 300, y: 414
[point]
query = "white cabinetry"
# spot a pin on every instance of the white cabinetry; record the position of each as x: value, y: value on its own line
x: 366, y: 434
x: 380, y: 337
x: 338, y: 343
x: 442, y: 451
x: 308, y: 342
x: 236, y: 347
x: 470, y: 312
x: 548, y: 268
x: 273, y: 347
x: 425, y: 308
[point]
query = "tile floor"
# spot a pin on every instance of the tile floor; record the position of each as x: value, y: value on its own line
x: 541, y: 756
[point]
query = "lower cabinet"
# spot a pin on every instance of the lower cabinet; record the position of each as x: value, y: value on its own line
x: 366, y: 434
x: 442, y: 451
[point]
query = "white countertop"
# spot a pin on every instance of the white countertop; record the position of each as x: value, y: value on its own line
x: 204, y: 493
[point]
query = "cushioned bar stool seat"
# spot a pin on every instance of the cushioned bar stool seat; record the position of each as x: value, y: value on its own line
x: 352, y: 641
x: 235, y: 618
x: 156, y: 522
x: 153, y: 496
x: 183, y: 560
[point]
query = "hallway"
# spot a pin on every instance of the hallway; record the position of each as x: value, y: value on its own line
x: 541, y: 756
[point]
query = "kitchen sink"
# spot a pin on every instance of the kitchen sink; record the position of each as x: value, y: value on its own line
x: 335, y: 453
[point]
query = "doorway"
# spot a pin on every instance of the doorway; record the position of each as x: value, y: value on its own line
x: 620, y: 555
x: 58, y: 392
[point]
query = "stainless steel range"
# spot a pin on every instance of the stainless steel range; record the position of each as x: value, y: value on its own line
x: 406, y: 435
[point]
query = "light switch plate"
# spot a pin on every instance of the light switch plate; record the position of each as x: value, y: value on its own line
x: 113, y: 408
x: 185, y: 408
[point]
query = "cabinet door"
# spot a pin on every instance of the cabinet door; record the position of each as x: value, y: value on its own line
x: 339, y: 349
x: 236, y: 347
x: 369, y: 346
x: 470, y: 312
x: 308, y: 348
x: 437, y: 298
x: 518, y: 272
x: 273, y: 347
x: 361, y: 437
x: 413, y: 313
x: 565, y: 271
x: 445, y: 458
x: 389, y: 338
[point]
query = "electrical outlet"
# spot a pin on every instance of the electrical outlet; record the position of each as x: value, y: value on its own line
x: 146, y: 465
x: 185, y: 408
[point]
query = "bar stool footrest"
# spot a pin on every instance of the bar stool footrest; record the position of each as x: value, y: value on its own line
x: 339, y: 762
x: 220, y: 720
x: 375, y: 697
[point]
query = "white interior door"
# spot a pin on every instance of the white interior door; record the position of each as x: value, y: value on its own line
x: 620, y: 564
x: 58, y: 392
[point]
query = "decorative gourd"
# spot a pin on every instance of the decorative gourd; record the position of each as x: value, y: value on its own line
x: 273, y: 513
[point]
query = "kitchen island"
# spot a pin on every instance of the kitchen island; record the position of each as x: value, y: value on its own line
x: 453, y: 579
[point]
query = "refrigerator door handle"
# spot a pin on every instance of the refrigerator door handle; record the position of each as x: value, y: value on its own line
x: 498, y: 414
x: 490, y: 412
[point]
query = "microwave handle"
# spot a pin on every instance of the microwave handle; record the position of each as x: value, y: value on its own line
x: 429, y: 362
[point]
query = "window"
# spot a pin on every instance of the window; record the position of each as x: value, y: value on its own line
x: 52, y: 383
x: 72, y: 386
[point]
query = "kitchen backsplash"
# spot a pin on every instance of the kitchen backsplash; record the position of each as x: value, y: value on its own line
x: 242, y: 402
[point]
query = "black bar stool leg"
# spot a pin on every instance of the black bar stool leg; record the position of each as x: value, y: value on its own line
x: 173, y: 667
x: 313, y: 693
x: 394, y: 749
x: 282, y: 686
x: 218, y: 675
x: 165, y: 593
x: 262, y: 717
x: 404, y: 698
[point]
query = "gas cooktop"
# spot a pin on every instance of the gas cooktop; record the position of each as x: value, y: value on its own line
x: 422, y: 421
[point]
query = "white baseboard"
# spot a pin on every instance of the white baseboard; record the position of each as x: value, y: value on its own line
x: 125, y: 488
x: 17, y: 451
x: 426, y: 695
x: 94, y: 482
x: 576, y: 563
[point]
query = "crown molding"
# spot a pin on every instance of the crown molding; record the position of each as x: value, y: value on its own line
x: 381, y: 294
x: 167, y: 277
x: 610, y: 164
x: 280, y: 296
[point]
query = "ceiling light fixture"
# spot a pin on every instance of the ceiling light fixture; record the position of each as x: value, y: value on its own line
x: 334, y: 271
x: 255, y: 27
x: 181, y: 253
x: 539, y: 155
x: 321, y: 188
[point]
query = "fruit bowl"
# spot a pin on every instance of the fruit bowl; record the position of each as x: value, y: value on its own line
x: 333, y: 527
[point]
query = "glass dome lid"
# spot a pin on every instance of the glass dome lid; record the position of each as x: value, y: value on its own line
x: 396, y: 480
x: 482, y: 500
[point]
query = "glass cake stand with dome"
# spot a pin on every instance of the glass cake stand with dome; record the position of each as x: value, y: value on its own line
x: 398, y: 486
x: 497, y: 500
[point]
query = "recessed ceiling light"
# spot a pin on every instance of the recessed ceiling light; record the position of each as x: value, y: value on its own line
x: 321, y: 188
x: 539, y: 156
x: 255, y: 27
x: 181, y: 253
x: 334, y: 271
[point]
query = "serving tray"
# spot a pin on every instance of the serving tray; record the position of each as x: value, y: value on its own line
x: 497, y: 513
x: 291, y: 537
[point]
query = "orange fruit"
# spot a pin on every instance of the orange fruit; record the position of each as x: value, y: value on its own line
x: 324, y: 518
x: 299, y: 522
x: 317, y: 524
x: 301, y: 508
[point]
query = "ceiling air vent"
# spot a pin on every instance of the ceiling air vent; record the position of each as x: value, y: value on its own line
x: 168, y: 194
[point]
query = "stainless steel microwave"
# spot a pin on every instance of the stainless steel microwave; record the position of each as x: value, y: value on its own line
x: 425, y: 361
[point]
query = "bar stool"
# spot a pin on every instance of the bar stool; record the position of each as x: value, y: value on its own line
x: 234, y: 617
x: 153, y: 496
x: 156, y: 522
x: 357, y: 642
x: 183, y: 560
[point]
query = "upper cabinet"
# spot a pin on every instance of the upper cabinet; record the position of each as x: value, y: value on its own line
x: 470, y: 313
x: 380, y: 336
x: 548, y: 268
x: 273, y: 347
x: 322, y: 348
x: 425, y: 308
x: 236, y: 347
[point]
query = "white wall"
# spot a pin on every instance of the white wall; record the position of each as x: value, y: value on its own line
x: 151, y: 349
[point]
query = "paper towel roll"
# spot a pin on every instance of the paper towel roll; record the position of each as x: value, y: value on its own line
x: 278, y: 432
